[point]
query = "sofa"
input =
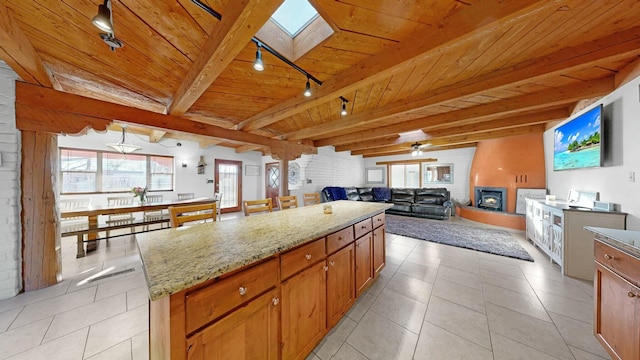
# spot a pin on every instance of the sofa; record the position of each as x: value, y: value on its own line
x: 432, y: 203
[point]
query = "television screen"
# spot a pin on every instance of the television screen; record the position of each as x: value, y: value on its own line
x: 577, y: 143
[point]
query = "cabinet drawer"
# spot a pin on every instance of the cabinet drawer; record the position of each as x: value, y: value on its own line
x: 339, y: 239
x: 362, y: 227
x: 624, y: 265
x: 378, y: 220
x: 209, y: 303
x: 297, y: 259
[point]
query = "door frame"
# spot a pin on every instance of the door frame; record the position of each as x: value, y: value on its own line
x: 216, y: 182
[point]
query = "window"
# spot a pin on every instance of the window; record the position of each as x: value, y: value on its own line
x: 90, y: 171
x: 405, y: 175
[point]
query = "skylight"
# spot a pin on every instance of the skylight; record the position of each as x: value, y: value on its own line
x: 294, y: 15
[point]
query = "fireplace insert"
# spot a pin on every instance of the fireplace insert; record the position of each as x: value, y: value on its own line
x: 491, y: 198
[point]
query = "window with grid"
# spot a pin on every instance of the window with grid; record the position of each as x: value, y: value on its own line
x: 405, y: 175
x: 90, y: 171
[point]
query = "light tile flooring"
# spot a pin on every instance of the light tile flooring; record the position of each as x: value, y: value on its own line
x: 431, y: 302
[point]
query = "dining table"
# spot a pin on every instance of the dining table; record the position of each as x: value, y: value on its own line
x: 92, y: 212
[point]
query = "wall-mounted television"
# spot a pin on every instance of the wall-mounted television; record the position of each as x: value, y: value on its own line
x: 578, y: 142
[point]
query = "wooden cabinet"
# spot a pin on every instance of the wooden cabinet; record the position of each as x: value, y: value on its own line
x: 558, y: 230
x: 250, y: 332
x: 364, y: 267
x: 379, y: 254
x: 303, y: 311
x: 340, y: 284
x: 617, y: 303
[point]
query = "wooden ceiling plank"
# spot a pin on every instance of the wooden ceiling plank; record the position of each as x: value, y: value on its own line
x: 240, y: 22
x: 50, y: 100
x: 20, y: 53
x: 614, y: 46
x: 549, y: 98
x: 468, y: 24
x: 247, y: 148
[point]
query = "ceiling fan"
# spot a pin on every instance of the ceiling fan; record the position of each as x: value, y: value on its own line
x: 416, y: 148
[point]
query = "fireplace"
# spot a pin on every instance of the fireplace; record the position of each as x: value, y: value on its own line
x: 491, y: 198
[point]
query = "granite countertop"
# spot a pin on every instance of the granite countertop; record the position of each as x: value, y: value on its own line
x: 627, y: 241
x: 177, y: 259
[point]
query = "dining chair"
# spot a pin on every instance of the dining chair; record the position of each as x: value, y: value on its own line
x: 311, y: 198
x: 186, y: 196
x: 154, y: 214
x: 287, y: 202
x: 257, y: 206
x: 200, y: 213
x: 74, y: 222
x: 217, y: 197
x: 123, y: 218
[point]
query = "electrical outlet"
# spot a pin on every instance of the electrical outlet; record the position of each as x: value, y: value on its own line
x: 632, y: 176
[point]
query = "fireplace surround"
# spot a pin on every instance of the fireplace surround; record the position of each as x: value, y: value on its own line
x: 491, y: 198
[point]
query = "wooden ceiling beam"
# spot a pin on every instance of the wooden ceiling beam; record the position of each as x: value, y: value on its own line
x: 16, y: 50
x: 452, y: 31
x: 508, y: 107
x: 407, y: 151
x: 613, y: 47
x: 241, y: 20
x: 31, y: 99
x: 459, y: 139
x: 247, y: 148
x: 156, y: 135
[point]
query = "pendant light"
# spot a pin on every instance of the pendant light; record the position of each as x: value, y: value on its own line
x: 103, y: 19
x: 122, y: 147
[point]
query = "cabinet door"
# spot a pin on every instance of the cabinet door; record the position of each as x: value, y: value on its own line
x: 617, y: 312
x: 251, y: 332
x: 304, y: 316
x: 340, y: 284
x: 378, y: 251
x: 364, y: 269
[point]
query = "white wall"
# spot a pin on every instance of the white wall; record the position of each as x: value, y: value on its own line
x: 187, y: 179
x: 622, y: 148
x: 460, y: 158
x: 10, y: 240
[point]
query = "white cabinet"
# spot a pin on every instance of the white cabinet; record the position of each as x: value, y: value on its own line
x: 558, y: 231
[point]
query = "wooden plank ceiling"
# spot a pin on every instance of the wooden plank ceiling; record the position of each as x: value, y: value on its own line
x: 443, y: 73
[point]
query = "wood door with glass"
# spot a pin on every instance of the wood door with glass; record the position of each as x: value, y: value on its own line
x: 228, y: 182
x: 272, y: 186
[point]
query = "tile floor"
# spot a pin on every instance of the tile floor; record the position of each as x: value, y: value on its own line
x: 431, y: 302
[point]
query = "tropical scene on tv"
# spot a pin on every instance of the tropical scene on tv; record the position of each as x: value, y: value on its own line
x: 577, y: 143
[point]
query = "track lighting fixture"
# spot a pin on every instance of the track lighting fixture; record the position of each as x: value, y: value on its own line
x: 344, y: 106
x: 258, y: 64
x: 307, y: 88
x: 104, y: 21
x: 416, y: 150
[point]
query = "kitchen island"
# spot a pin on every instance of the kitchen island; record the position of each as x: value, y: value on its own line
x: 236, y: 289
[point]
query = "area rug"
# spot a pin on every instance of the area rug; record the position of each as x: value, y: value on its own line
x: 498, y: 242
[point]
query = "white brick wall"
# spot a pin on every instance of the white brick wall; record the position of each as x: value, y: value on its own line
x: 10, y: 185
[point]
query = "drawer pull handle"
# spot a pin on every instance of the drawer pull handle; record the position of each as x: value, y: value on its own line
x: 242, y: 290
x: 308, y: 256
x: 608, y: 257
x: 275, y: 301
x: 631, y: 294
x: 332, y: 263
x: 363, y: 227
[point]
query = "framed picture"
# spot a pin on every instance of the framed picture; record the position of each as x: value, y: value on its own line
x: 252, y: 170
x: 374, y: 175
x: 523, y: 193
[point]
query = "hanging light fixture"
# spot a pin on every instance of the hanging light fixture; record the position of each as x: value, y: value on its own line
x: 307, y: 88
x: 344, y: 106
x: 416, y: 151
x: 104, y: 21
x: 258, y: 64
x: 122, y: 146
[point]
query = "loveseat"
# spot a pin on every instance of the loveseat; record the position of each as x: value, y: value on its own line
x: 433, y: 203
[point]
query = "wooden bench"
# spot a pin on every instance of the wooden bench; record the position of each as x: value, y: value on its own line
x: 86, y: 230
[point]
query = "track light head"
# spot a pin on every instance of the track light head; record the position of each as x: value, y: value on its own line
x: 103, y: 19
x: 344, y: 106
x: 258, y: 64
x: 307, y: 89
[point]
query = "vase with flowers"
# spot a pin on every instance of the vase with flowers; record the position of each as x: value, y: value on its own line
x: 140, y: 192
